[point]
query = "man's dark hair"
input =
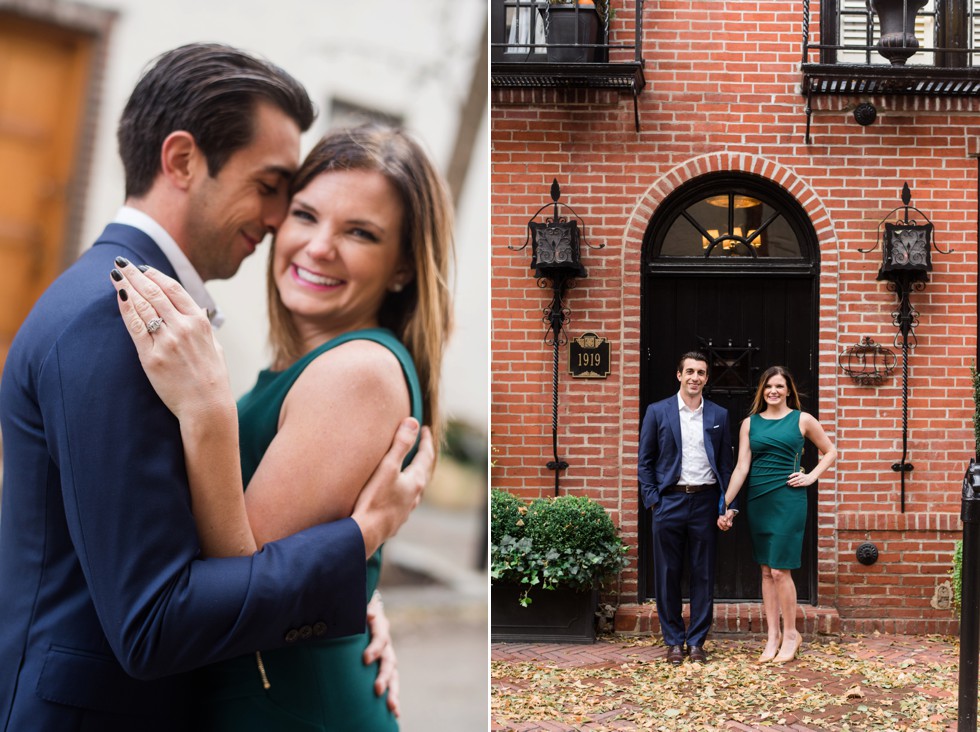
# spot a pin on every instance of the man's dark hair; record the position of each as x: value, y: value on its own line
x: 209, y: 90
x: 694, y: 356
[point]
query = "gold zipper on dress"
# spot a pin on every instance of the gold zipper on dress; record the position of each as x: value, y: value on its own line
x: 265, y: 679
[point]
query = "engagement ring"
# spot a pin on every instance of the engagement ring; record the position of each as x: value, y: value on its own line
x: 154, y: 325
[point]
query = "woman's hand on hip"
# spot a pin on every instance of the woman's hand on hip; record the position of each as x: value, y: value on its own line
x: 800, y: 480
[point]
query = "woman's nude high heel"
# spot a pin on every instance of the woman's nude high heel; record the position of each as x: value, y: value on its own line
x: 787, y: 657
x: 768, y: 657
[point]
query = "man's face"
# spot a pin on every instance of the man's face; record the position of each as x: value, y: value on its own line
x: 692, y: 376
x: 230, y: 214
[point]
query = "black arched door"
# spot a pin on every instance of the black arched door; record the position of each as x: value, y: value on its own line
x: 730, y: 268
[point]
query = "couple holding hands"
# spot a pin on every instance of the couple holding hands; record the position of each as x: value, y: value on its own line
x: 687, y: 480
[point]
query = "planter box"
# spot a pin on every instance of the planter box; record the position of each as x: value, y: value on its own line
x: 568, y: 24
x: 554, y: 616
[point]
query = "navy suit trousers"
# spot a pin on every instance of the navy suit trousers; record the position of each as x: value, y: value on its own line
x: 685, y: 528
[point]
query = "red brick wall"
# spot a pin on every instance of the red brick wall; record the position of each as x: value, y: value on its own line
x: 723, y: 94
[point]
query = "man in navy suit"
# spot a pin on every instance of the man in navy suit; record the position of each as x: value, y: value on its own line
x: 685, y: 463
x: 105, y: 598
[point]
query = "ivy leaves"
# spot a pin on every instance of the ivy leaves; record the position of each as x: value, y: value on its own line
x: 568, y: 541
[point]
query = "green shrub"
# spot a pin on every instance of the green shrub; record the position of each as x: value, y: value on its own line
x: 568, y: 541
x: 509, y: 547
x: 506, y: 515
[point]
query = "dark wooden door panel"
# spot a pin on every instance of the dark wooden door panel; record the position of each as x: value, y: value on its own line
x: 745, y: 324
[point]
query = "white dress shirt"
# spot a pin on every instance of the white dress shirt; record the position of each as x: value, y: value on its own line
x: 185, y: 271
x: 695, y: 468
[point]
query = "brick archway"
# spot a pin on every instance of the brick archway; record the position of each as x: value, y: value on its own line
x: 640, y: 618
x: 729, y: 162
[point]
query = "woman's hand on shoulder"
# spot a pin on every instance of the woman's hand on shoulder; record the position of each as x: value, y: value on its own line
x: 174, y: 339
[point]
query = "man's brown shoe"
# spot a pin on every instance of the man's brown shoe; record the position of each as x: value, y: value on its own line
x: 675, y: 655
x: 697, y: 654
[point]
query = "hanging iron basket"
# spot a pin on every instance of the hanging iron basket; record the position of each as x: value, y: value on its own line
x: 867, y: 362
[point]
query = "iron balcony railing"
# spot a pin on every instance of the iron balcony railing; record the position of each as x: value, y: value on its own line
x: 841, y: 55
x: 526, y: 54
x: 845, y: 58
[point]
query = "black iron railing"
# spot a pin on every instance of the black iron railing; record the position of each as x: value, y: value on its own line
x: 527, y: 50
x: 946, y: 32
x: 842, y: 55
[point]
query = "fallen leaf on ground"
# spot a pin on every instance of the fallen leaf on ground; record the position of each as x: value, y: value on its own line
x: 818, y: 690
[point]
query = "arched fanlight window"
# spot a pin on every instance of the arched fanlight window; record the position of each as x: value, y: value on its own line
x: 728, y: 219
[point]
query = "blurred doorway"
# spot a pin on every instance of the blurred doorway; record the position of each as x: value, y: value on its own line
x: 44, y: 78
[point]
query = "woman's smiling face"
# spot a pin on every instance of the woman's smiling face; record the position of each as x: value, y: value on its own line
x: 775, y: 391
x: 339, y: 252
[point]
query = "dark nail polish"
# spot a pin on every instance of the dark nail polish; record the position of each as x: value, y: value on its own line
x: 123, y: 295
x: 116, y: 275
x: 122, y: 262
x: 142, y: 268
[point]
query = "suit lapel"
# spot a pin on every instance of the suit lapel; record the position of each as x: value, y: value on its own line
x: 708, y: 422
x: 674, y: 420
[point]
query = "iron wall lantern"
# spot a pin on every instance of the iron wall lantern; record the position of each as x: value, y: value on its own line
x: 555, y: 248
x: 897, y: 20
x: 556, y: 261
x: 906, y: 249
x: 906, y: 262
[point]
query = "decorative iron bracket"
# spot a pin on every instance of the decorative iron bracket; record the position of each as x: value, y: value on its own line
x: 868, y: 363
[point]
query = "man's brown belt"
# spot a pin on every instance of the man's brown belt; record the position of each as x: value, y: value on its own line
x: 691, y: 488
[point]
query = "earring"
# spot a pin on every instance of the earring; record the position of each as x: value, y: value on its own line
x: 396, y: 287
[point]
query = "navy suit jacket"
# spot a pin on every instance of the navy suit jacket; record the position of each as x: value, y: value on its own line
x: 104, y: 598
x: 660, y: 448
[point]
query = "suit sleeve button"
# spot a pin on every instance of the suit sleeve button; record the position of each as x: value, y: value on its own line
x: 306, y: 632
x: 292, y: 636
x: 319, y: 629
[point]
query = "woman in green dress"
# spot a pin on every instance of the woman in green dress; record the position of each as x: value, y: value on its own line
x: 770, y: 448
x: 359, y: 314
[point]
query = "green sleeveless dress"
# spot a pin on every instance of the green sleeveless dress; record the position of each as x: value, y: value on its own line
x: 321, y: 685
x: 776, y: 511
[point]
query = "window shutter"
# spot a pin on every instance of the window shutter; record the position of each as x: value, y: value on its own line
x: 854, y: 15
x: 975, y: 27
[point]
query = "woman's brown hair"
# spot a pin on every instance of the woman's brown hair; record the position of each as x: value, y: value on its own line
x: 420, y: 315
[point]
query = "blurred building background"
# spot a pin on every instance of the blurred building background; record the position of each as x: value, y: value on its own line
x: 66, y: 70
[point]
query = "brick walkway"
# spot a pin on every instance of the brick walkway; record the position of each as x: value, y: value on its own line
x: 885, y: 683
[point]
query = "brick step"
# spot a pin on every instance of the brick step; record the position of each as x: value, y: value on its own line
x: 730, y: 618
